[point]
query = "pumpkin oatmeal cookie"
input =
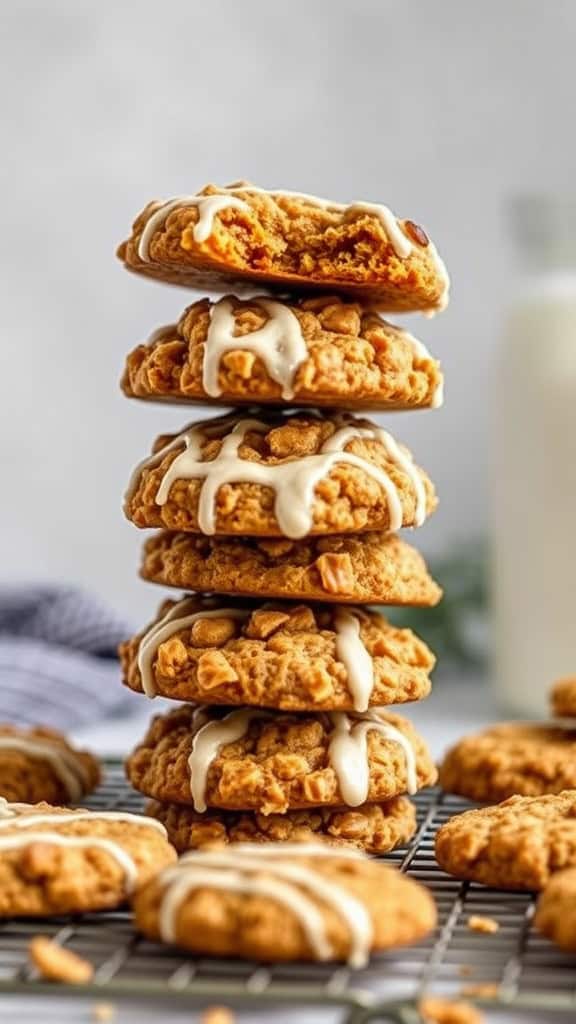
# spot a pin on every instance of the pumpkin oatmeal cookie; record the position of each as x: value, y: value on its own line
x: 374, y: 828
x: 222, y: 236
x: 374, y: 568
x: 39, y: 764
x: 291, y: 476
x: 272, y: 762
x: 556, y: 911
x: 321, y: 351
x: 58, y: 861
x: 284, y: 901
x: 286, y: 656
x: 563, y: 698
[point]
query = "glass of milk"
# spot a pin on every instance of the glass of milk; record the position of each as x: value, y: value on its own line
x: 534, y: 457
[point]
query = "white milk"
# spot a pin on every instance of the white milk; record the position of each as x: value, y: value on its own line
x: 534, y: 454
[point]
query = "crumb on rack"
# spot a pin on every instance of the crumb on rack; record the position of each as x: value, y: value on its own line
x: 487, y: 925
x: 481, y: 990
x: 449, y: 1011
x: 55, y: 963
x: 103, y: 1013
x: 217, y: 1015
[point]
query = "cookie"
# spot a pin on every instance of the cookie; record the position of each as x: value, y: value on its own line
x: 563, y: 699
x: 287, y: 656
x: 556, y: 910
x: 517, y: 844
x: 373, y: 568
x: 284, y: 901
x: 435, y: 1010
x: 58, y: 861
x: 518, y: 757
x: 39, y: 764
x: 320, y: 351
x: 374, y: 828
x: 291, y: 241
x: 253, y: 760
x: 290, y: 476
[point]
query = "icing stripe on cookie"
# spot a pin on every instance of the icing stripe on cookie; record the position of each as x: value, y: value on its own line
x: 66, y: 766
x: 17, y: 842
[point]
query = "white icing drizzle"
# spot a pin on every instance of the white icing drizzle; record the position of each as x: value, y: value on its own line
x: 14, y: 815
x: 66, y: 766
x: 240, y: 870
x: 350, y: 650
x: 173, y: 621
x: 294, y: 480
x: 279, y: 343
x: 348, y: 753
x: 207, y: 742
x: 16, y: 842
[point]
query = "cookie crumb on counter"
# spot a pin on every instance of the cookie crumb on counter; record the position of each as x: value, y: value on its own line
x: 55, y: 963
x: 449, y: 1011
x: 217, y: 1015
x: 479, y: 923
x: 103, y: 1013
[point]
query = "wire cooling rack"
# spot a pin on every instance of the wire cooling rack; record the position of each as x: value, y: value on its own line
x: 514, y: 967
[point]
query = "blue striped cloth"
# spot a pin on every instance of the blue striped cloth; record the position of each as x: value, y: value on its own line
x: 58, y: 663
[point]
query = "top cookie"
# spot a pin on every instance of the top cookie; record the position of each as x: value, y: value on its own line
x: 290, y: 241
x: 39, y: 764
x: 289, y: 476
x: 320, y: 351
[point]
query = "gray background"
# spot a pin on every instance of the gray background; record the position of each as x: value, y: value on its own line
x: 439, y: 110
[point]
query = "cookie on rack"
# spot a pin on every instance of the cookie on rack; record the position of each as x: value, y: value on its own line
x: 284, y: 901
x: 372, y: 568
x: 40, y: 764
x: 522, y: 758
x: 517, y: 844
x: 293, y: 657
x: 374, y: 828
x: 59, y: 861
x: 556, y: 910
x: 272, y: 762
x: 291, y: 241
x: 290, y: 476
x: 563, y: 699
x: 322, y: 351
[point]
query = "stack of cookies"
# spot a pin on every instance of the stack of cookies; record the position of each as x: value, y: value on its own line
x: 279, y: 520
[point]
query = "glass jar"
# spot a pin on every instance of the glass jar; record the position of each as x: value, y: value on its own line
x: 534, y: 447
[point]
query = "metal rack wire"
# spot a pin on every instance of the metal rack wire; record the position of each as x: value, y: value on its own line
x: 515, y: 966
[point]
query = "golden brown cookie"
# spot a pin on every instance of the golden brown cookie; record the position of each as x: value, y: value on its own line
x: 287, y: 656
x: 320, y: 351
x: 372, y: 568
x: 517, y: 844
x: 289, y: 241
x: 58, y: 861
x: 435, y: 1010
x: 284, y: 901
x: 250, y: 759
x: 375, y: 828
x: 514, y: 758
x: 556, y: 910
x: 290, y: 476
x: 39, y: 764
x: 563, y: 698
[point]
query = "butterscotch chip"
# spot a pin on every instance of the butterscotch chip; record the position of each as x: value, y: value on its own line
x: 449, y: 1011
x: 515, y: 758
x: 289, y: 242
x: 556, y: 910
x: 517, y: 844
x: 351, y: 358
x: 374, y: 568
x: 375, y: 828
x: 486, y: 925
x: 563, y: 698
x: 40, y: 764
x: 281, y: 656
x: 257, y: 907
x: 349, y: 495
x: 245, y: 774
x: 55, y: 963
x: 58, y: 861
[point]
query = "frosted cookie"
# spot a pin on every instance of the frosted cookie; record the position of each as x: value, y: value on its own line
x: 563, y: 699
x: 321, y: 351
x: 288, y: 656
x: 39, y: 764
x: 250, y: 759
x: 290, y: 476
x: 59, y: 861
x: 374, y: 828
x: 374, y: 568
x: 515, y: 758
x: 556, y: 910
x: 517, y: 844
x: 284, y: 901
x: 287, y: 240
